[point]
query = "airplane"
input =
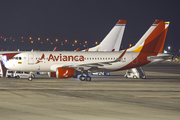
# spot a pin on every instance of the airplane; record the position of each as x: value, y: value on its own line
x: 67, y: 64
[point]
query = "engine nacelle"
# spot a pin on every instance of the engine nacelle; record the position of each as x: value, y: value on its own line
x: 63, y: 72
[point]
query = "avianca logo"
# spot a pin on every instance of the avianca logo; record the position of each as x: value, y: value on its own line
x: 40, y: 60
x: 65, y: 74
x: 61, y: 57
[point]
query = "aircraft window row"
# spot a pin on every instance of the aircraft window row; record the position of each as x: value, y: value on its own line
x: 100, y: 58
x: 17, y: 58
x: 85, y: 58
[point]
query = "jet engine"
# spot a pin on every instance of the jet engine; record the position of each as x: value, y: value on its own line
x: 63, y: 72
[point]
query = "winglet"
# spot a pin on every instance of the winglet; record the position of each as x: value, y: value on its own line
x: 55, y: 48
x: 78, y: 49
x: 87, y: 49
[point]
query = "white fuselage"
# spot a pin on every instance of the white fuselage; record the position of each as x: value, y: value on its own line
x: 49, y: 61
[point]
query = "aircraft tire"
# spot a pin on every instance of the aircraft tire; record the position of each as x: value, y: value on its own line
x: 30, y: 78
x: 82, y: 78
x: 88, y: 78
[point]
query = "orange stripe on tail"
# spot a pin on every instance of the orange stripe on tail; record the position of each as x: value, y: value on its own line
x: 155, y: 41
x: 121, y: 22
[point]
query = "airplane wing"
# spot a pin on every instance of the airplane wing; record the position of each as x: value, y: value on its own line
x: 94, y: 65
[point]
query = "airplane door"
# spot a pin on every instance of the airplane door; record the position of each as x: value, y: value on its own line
x: 30, y: 58
x: 134, y: 58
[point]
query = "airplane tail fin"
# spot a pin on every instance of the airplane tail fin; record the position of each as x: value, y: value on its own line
x: 113, y: 38
x: 153, y: 40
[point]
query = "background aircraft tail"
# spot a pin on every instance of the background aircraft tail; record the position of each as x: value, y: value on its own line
x: 153, y: 40
x: 113, y: 38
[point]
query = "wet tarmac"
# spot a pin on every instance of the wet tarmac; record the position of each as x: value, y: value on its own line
x: 104, y: 98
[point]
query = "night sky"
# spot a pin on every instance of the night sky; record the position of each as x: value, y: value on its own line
x: 85, y: 20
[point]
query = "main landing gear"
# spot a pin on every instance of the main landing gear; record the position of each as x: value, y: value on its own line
x: 85, y: 78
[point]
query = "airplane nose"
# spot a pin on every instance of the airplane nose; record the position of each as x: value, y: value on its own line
x: 8, y: 64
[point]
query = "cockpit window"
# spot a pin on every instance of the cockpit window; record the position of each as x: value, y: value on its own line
x: 17, y: 58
